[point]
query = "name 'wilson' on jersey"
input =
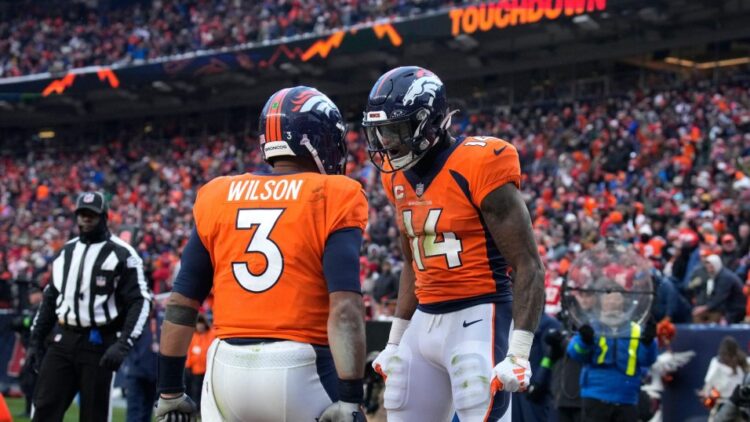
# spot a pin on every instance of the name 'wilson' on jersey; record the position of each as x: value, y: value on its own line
x: 266, y: 235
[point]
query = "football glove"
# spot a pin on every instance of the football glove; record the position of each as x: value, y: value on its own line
x: 33, y: 359
x: 114, y: 355
x: 512, y: 374
x: 380, y: 364
x: 587, y: 334
x: 342, y: 411
x: 178, y: 409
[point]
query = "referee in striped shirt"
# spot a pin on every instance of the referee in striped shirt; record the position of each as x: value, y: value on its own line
x: 94, y: 309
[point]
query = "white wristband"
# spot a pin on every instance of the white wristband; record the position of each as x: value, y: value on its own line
x: 398, y: 326
x: 520, y: 344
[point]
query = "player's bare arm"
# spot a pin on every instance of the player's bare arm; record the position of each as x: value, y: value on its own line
x: 406, y: 303
x: 509, y: 223
x: 346, y: 334
x: 177, y: 331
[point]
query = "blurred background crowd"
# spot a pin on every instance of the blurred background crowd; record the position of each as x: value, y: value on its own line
x: 43, y: 38
x: 657, y: 157
x: 667, y: 170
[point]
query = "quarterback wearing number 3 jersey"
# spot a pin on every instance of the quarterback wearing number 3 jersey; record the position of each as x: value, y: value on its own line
x: 281, y: 253
x: 464, y: 226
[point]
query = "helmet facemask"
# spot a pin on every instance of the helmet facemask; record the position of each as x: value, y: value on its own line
x: 403, y: 142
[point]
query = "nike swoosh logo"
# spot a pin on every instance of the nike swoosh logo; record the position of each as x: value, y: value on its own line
x: 500, y: 151
x: 466, y: 324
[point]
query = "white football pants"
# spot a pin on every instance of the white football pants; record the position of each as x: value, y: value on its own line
x: 282, y: 381
x: 445, y: 363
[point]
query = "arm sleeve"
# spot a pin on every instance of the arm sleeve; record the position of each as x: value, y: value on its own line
x: 577, y: 350
x: 45, y: 317
x: 196, y: 275
x: 134, y: 292
x: 341, y: 260
x: 496, y: 164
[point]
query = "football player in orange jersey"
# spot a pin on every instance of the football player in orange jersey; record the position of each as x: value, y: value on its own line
x: 461, y: 338
x: 281, y: 252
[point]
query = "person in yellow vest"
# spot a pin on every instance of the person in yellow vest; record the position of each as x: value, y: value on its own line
x: 614, y: 353
x: 197, y: 355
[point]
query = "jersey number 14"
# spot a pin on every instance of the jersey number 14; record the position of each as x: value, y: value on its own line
x: 450, y: 247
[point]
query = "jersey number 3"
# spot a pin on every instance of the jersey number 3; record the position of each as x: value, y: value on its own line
x: 450, y: 247
x: 265, y: 220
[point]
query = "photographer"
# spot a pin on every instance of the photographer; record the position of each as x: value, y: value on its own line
x: 737, y: 408
x: 726, y: 373
x: 612, y: 366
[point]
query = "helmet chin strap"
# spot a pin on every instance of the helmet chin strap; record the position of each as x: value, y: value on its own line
x: 446, y: 123
x: 306, y: 143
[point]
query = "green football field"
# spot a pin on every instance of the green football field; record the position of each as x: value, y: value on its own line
x: 16, y: 408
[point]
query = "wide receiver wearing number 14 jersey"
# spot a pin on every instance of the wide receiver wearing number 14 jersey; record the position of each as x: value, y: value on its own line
x: 463, y: 225
x: 456, y: 259
x: 281, y: 252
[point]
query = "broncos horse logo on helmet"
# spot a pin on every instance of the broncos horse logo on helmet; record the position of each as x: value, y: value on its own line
x: 406, y: 115
x: 303, y: 122
x: 428, y: 84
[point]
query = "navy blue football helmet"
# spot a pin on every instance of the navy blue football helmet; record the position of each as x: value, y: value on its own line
x: 303, y: 122
x: 406, y: 115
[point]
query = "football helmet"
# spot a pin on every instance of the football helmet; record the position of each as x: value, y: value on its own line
x: 303, y: 122
x: 406, y: 115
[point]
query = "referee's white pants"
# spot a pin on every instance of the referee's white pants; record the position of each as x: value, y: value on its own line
x: 282, y: 381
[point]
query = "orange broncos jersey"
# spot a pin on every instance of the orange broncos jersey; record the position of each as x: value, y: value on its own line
x: 455, y: 257
x: 266, y: 235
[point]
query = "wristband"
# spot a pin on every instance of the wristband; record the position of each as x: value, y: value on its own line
x: 351, y: 391
x: 171, y: 370
x: 520, y: 344
x: 398, y: 327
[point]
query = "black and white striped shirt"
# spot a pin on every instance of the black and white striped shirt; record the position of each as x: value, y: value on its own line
x: 97, y: 284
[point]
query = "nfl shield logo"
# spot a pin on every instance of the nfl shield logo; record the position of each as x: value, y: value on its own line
x: 101, y: 281
x: 420, y: 189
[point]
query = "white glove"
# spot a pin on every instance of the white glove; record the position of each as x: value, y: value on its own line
x: 178, y: 409
x: 342, y: 411
x: 380, y: 364
x: 512, y: 374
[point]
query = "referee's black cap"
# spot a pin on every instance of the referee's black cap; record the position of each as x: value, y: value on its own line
x: 93, y: 201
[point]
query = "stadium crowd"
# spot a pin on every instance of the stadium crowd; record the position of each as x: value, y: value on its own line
x: 667, y: 170
x: 54, y: 36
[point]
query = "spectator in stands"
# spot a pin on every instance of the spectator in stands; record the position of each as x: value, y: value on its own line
x: 743, y: 235
x: 721, y: 297
x: 730, y: 254
x: 668, y: 302
x: 386, y: 285
x: 687, y: 258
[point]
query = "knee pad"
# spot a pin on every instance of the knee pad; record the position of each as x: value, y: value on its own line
x: 397, y: 383
x: 470, y: 373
